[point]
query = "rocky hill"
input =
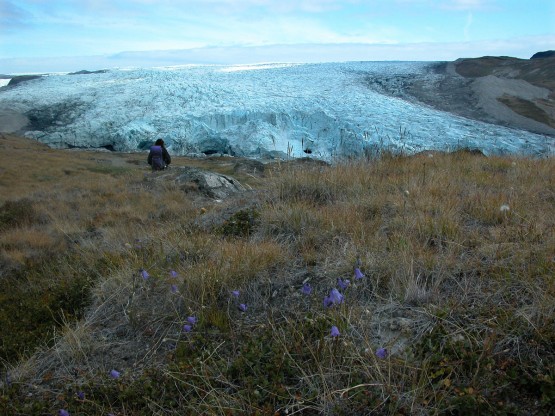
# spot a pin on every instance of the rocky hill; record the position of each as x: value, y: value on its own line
x: 508, y: 91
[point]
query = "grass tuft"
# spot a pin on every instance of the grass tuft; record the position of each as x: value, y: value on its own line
x: 217, y: 307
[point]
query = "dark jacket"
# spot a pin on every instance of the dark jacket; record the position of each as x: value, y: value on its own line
x: 154, y: 150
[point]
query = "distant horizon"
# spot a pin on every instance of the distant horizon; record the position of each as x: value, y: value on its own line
x: 254, y: 55
x: 66, y: 36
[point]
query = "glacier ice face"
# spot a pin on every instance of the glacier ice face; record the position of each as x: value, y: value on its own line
x: 321, y: 110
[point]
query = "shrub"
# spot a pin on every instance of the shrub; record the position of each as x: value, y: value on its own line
x: 17, y: 213
x: 241, y: 224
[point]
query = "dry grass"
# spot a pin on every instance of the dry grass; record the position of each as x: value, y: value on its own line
x: 458, y: 253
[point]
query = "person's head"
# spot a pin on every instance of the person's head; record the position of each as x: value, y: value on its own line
x: 159, y: 142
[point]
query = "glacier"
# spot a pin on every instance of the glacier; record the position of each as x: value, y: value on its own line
x: 325, y: 111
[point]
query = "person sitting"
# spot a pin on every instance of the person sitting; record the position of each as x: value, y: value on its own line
x: 159, y: 158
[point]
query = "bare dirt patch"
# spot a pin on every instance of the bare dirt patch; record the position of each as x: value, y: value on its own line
x: 526, y: 109
x: 480, y: 88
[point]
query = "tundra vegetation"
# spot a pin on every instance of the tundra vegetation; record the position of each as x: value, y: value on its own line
x: 391, y: 284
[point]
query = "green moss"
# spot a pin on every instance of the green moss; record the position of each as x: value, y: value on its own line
x: 29, y: 315
x: 17, y: 213
x: 42, y: 296
x: 241, y: 224
x: 470, y: 377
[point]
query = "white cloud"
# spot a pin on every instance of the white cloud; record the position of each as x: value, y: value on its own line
x: 90, y: 27
x: 469, y: 20
x: 11, y: 15
x: 467, y: 4
x: 452, y: 4
x: 439, y: 51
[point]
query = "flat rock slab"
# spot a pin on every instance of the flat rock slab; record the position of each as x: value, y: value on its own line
x: 210, y: 184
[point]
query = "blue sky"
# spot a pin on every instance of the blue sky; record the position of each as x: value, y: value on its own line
x: 34, y: 31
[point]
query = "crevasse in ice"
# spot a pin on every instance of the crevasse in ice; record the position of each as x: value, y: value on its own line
x: 319, y: 110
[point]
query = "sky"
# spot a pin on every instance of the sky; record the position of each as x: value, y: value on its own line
x: 42, y: 35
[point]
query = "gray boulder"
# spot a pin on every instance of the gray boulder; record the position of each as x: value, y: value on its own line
x: 193, y: 180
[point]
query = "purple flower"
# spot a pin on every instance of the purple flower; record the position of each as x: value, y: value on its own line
x: 381, y: 353
x: 174, y: 289
x: 343, y: 284
x: 173, y: 273
x: 192, y: 320
x: 334, y: 331
x: 145, y: 274
x: 358, y: 274
x: 235, y: 293
x: 115, y: 374
x: 63, y: 412
x: 306, y: 289
x: 187, y: 328
x: 334, y: 298
x: 243, y: 307
x: 81, y: 395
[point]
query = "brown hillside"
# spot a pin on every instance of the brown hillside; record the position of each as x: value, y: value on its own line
x: 538, y: 72
x: 504, y: 82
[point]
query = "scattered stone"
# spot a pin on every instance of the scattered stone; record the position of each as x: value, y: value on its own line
x: 249, y: 166
x: 210, y: 184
